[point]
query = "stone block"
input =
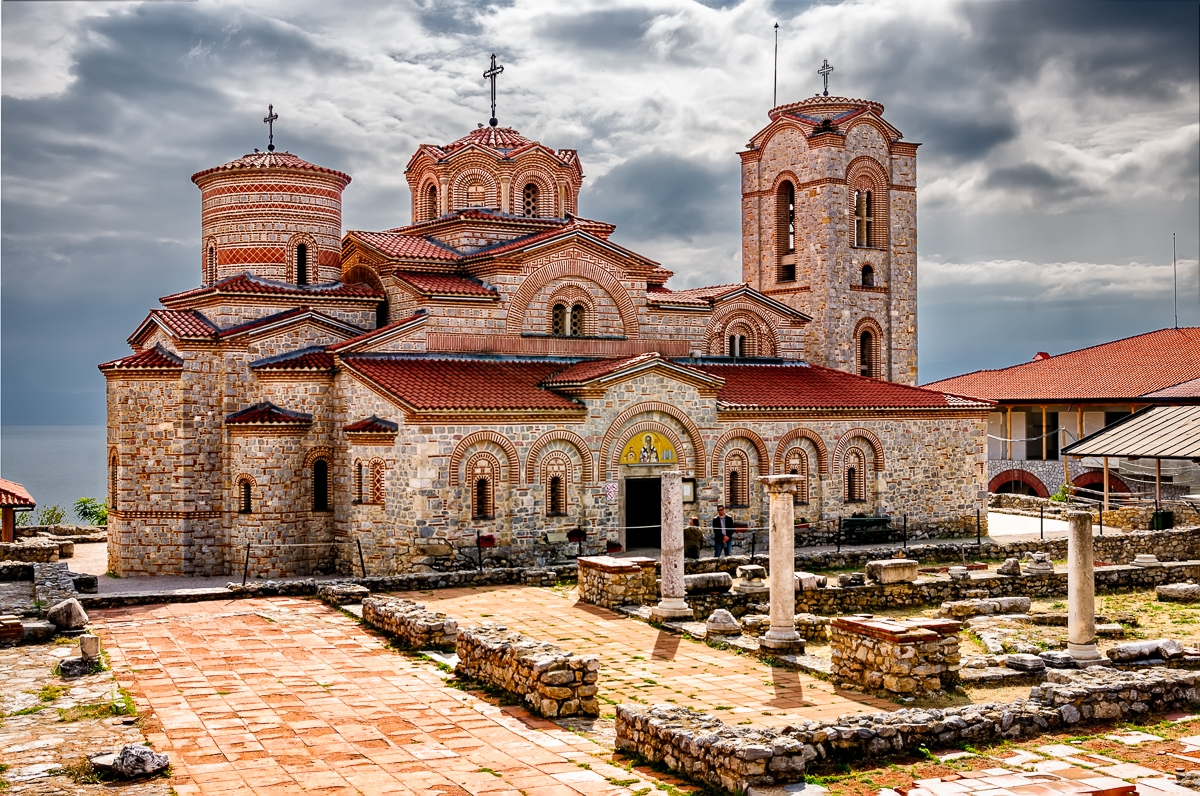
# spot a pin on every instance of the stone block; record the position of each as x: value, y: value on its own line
x: 1011, y: 567
x: 893, y: 570
x: 1146, y: 560
x: 1058, y: 659
x: 85, y: 584
x: 708, y: 582
x: 36, y: 631
x: 89, y: 646
x: 722, y: 623
x: 1178, y: 592
x: 68, y: 615
x: 751, y: 572
x: 1025, y: 663
x: 847, y: 579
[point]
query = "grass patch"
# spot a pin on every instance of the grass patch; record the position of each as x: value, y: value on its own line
x: 121, y: 705
x: 49, y: 693
x: 29, y: 711
x: 491, y: 771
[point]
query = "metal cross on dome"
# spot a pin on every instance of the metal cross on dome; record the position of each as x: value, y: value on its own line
x: 270, y: 120
x: 824, y: 73
x: 491, y: 75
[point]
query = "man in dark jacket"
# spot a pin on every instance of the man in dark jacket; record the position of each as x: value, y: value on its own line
x: 722, y: 533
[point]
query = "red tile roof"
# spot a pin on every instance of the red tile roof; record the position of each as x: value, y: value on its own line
x: 1188, y: 389
x: 185, y: 323
x: 1122, y: 370
x: 800, y: 386
x: 374, y: 332
x: 446, y: 285
x: 250, y: 285
x: 396, y: 244
x: 310, y: 359
x: 157, y: 358
x: 267, y: 414
x: 13, y: 495
x: 463, y: 384
x: 698, y: 295
x: 504, y: 142
x: 294, y: 312
x: 591, y: 369
x: 372, y: 425
x: 265, y: 161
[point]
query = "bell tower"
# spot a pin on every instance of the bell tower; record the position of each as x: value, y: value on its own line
x: 829, y: 226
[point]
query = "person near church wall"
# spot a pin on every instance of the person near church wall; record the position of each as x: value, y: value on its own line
x: 693, y: 538
x: 722, y: 533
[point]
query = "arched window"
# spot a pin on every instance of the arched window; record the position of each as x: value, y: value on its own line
x: 210, y: 274
x: 785, y: 222
x: 855, y: 488
x: 483, y: 479
x: 246, y: 506
x: 112, y: 481
x: 320, y: 485
x: 796, y: 463
x: 577, y: 320
x: 302, y: 264
x: 867, y: 364
x: 377, y: 482
x: 737, y: 492
x: 555, y: 477
x: 431, y: 203
x: 868, y: 276
x: 556, y: 505
x: 558, y: 320
x: 529, y: 204
x: 864, y: 218
x: 358, y: 481
x: 737, y: 345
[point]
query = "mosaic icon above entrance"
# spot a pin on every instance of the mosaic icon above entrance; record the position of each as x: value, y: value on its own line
x: 648, y: 448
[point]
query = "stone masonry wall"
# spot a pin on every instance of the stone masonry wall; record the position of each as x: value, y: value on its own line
x: 907, y: 658
x: 411, y: 623
x: 609, y: 582
x: 549, y: 680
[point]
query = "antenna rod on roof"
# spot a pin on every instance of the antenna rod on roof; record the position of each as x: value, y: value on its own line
x: 1175, y: 279
x: 775, y: 79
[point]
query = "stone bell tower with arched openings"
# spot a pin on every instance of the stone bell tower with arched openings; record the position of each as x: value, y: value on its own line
x: 829, y: 226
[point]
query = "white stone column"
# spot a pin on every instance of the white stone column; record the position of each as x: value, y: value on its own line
x: 672, y: 605
x: 782, y: 637
x: 444, y: 202
x: 1081, y: 591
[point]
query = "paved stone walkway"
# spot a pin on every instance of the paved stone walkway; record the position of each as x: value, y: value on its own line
x: 642, y: 664
x: 289, y: 696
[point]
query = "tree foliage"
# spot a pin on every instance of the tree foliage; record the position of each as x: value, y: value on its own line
x: 92, y: 511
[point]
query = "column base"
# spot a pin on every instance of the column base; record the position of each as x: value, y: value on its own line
x: 782, y: 642
x: 671, y: 610
x: 1087, y: 655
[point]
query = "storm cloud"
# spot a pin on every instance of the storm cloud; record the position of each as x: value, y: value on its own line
x: 1059, y: 146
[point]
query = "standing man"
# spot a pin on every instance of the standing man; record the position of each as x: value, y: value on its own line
x: 722, y: 533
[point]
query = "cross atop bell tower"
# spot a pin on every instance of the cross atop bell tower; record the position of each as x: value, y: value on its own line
x: 492, y: 74
x: 269, y: 120
x: 824, y: 73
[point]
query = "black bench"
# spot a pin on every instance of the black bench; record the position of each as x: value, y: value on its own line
x: 865, y: 530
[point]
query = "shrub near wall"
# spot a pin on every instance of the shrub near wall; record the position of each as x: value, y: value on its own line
x: 548, y: 679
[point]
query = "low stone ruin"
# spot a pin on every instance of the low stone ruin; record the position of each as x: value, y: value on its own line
x: 962, y: 609
x: 337, y: 594
x: 411, y: 623
x: 907, y: 657
x: 810, y: 626
x: 1178, y: 593
x: 708, y: 583
x: 1153, y: 652
x: 892, y: 570
x: 610, y: 582
x: 1100, y: 693
x: 83, y: 663
x: 548, y: 679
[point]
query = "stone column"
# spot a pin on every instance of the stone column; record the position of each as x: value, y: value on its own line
x: 672, y: 605
x: 505, y: 193
x: 1081, y: 591
x: 782, y: 637
x: 444, y: 202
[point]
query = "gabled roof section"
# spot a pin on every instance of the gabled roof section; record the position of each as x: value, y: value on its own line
x: 427, y: 384
x: 502, y: 143
x: 372, y: 425
x: 1122, y: 370
x: 430, y: 228
x: 15, y: 496
x: 398, y: 244
x: 709, y: 297
x: 454, y: 285
x: 244, y: 285
x: 267, y: 414
x: 1186, y: 390
x: 269, y: 161
x: 1161, y: 432
x: 799, y: 386
x: 573, y: 231
x: 152, y: 359
x: 811, y: 112
x: 182, y: 324
x: 364, y: 342
x: 287, y: 318
x: 314, y: 359
x: 599, y: 371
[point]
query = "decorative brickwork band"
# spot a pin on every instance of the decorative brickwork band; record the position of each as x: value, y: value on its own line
x: 464, y: 445
x: 764, y: 462
x: 843, y: 444
x: 693, y: 431
x: 587, y: 464
x: 803, y: 433
x: 577, y: 269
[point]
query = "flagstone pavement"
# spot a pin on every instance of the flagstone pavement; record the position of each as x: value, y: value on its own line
x: 639, y: 663
x: 284, y: 695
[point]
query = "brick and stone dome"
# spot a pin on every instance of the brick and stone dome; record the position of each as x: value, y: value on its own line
x: 271, y: 214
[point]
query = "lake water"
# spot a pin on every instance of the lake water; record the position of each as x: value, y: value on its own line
x: 57, y: 464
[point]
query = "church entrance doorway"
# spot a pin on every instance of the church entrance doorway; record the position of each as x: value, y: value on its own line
x: 643, y: 513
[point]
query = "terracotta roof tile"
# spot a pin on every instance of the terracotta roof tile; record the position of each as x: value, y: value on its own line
x: 800, y: 386
x: 294, y: 312
x: 1123, y: 369
x: 368, y: 335
x: 185, y: 323
x: 504, y: 142
x: 264, y: 161
x: 157, y: 358
x: 446, y: 285
x: 267, y: 414
x: 591, y: 369
x: 396, y: 244
x: 13, y: 495
x: 463, y: 384
x: 372, y: 425
x: 315, y: 358
x: 247, y: 284
x: 1188, y: 389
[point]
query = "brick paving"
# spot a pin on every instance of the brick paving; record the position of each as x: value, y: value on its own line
x: 289, y: 696
x: 642, y: 664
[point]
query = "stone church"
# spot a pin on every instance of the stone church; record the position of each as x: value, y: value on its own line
x: 500, y: 375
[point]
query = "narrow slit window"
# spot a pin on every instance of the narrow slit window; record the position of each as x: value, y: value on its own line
x: 302, y: 264
x: 863, y: 218
x: 557, y: 504
x: 358, y: 482
x: 866, y: 355
x: 577, y: 321
x: 529, y: 200
x: 246, y: 499
x: 558, y: 320
x: 320, y: 485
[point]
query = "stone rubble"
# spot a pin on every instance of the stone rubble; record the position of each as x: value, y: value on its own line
x: 1011, y: 567
x: 410, y: 623
x: 892, y: 570
x: 963, y: 609
x: 549, y: 680
x: 722, y: 623
x: 68, y: 615
x: 1178, y: 592
x: 908, y: 657
x: 337, y: 594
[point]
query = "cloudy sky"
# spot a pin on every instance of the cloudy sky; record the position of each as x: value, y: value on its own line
x: 1060, y: 146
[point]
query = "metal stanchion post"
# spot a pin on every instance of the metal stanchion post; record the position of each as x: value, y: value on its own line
x: 1101, y: 520
x: 905, y: 531
x: 361, y: 561
x: 978, y: 530
x: 246, y: 569
x: 839, y: 535
x: 1042, y: 522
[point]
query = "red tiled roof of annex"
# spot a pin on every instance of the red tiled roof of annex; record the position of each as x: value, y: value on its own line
x: 446, y: 285
x: 305, y: 359
x: 372, y: 425
x: 590, y: 369
x: 754, y: 386
x: 1187, y: 389
x: 245, y: 284
x: 267, y: 413
x: 700, y: 296
x: 156, y: 358
x: 397, y: 244
x: 382, y: 330
x: 13, y: 495
x: 185, y: 323
x: 463, y: 384
x: 1123, y: 369
x: 263, y: 161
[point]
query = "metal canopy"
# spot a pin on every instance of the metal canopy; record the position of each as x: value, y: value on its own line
x: 1162, y: 432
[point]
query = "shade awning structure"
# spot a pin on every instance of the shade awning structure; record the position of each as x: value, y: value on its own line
x: 1161, y: 432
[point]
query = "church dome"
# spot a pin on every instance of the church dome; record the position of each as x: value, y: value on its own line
x: 263, y: 161
x: 822, y: 107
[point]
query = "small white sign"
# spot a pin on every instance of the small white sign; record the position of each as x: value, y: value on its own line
x: 610, y: 491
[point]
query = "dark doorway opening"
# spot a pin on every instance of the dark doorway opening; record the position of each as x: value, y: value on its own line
x: 643, y: 513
